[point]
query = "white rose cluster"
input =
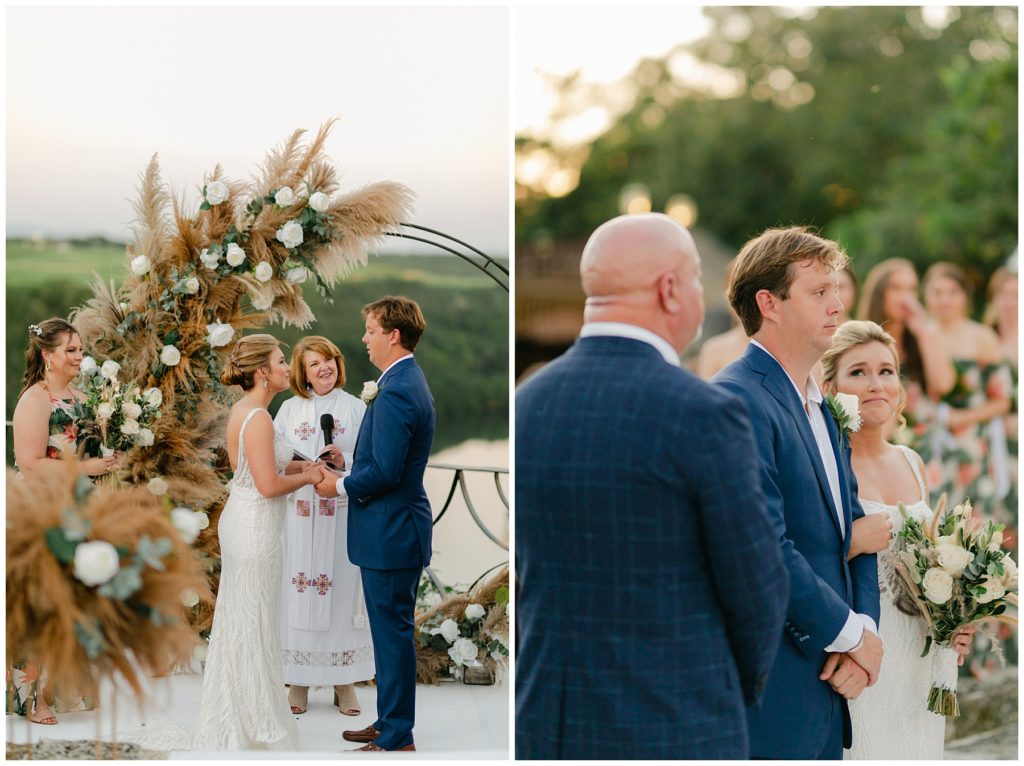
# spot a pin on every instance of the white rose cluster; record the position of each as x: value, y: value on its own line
x: 88, y: 366
x: 475, y: 612
x: 297, y: 275
x: 449, y: 629
x: 157, y: 486
x: 994, y: 588
x: 463, y: 652
x: 145, y: 437
x: 319, y: 202
x: 216, y: 192
x: 235, y: 255
x: 192, y: 285
x: 131, y: 410
x: 850, y: 405
x: 185, y: 521
x: 109, y: 369
x: 953, y: 558
x: 937, y: 585
x: 284, y: 197
x: 220, y: 334
x: 130, y: 427
x: 140, y: 265
x: 170, y: 356
x: 154, y: 397
x: 210, y: 258
x: 264, y: 272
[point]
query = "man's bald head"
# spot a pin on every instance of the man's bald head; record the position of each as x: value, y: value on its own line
x: 644, y: 270
x: 626, y: 254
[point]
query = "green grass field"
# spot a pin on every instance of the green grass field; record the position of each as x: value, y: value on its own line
x: 30, y: 264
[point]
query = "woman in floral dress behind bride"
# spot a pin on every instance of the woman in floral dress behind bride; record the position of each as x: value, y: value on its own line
x: 890, y: 719
x: 241, y: 706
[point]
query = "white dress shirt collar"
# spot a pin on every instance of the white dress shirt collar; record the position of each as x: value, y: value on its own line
x: 631, y: 331
x: 400, y: 359
x: 810, y: 393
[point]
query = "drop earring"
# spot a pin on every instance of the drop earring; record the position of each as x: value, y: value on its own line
x: 47, y: 365
x: 266, y: 383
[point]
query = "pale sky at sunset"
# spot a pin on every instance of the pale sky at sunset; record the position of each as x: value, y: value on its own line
x: 92, y: 93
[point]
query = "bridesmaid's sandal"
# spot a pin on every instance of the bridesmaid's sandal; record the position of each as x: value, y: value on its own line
x: 345, y: 699
x: 42, y: 713
x: 298, y: 698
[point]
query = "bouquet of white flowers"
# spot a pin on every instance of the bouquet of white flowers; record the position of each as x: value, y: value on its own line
x: 956, y: 572
x: 117, y: 415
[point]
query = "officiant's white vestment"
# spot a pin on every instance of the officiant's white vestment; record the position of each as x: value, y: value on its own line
x: 325, y: 635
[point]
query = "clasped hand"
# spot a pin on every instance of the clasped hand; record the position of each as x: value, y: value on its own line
x: 849, y: 673
x: 327, y: 484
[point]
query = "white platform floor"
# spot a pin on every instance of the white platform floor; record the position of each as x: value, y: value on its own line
x: 453, y: 721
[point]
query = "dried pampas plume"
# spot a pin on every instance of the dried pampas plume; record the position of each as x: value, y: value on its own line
x: 46, y: 604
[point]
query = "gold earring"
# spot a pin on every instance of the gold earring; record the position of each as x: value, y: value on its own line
x: 47, y: 365
x: 266, y: 383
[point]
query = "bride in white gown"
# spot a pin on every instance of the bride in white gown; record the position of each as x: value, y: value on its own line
x: 890, y: 719
x: 242, y: 705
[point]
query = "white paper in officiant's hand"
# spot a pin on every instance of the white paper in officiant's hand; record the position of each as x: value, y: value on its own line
x: 297, y: 455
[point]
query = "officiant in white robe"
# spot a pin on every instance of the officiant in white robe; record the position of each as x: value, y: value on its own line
x: 325, y: 634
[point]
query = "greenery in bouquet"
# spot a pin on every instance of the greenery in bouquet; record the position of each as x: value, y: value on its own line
x: 957, y: 572
x: 465, y: 630
x: 117, y: 416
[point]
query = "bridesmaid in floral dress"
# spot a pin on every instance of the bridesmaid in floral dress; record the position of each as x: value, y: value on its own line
x: 45, y: 425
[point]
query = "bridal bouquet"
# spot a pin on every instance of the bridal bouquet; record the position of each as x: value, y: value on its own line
x: 117, y: 415
x: 956, y: 571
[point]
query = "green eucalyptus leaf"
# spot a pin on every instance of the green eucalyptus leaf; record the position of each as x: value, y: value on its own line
x: 150, y: 552
x: 90, y: 638
x: 61, y: 547
x: 126, y: 582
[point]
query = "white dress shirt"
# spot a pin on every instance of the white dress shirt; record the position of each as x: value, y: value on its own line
x: 811, y: 400
x: 631, y: 331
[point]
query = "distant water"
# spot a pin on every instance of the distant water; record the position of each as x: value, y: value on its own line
x: 461, y: 551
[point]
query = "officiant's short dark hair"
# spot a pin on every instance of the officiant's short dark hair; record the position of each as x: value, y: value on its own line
x: 765, y: 263
x: 396, y: 312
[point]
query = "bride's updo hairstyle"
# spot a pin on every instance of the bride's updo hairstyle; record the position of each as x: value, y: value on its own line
x: 849, y: 336
x: 45, y: 336
x: 248, y: 355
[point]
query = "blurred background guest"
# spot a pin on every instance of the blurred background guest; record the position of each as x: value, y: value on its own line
x: 724, y: 349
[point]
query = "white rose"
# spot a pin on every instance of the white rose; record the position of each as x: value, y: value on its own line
x: 145, y: 437
x: 96, y: 562
x: 88, y: 366
x: 190, y: 597
x: 220, y: 334
x: 157, y: 486
x: 463, y: 652
x: 191, y: 285
x: 131, y: 410
x: 184, y: 520
x: 953, y: 558
x: 210, y: 258
x: 297, y: 275
x: 262, y: 301
x: 140, y: 265
x: 130, y: 427
x: 475, y: 612
x: 450, y: 630
x: 850, y: 405
x: 937, y: 585
x: 105, y: 411
x: 993, y: 589
x: 997, y: 540
x: 369, y: 391
x: 319, y: 202
x: 202, y: 520
x: 110, y: 369
x: 170, y: 356
x: 216, y: 192
x: 1009, y: 572
x: 290, y: 235
x: 264, y: 272
x: 284, y: 197
x: 236, y: 255
x: 154, y: 397
x: 123, y: 306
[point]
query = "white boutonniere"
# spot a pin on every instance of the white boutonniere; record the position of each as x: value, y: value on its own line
x: 369, y: 392
x: 845, y: 408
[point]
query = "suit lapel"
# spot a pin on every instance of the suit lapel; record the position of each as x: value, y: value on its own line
x: 841, y: 463
x: 778, y: 384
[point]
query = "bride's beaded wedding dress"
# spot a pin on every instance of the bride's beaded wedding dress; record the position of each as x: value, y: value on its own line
x: 891, y: 719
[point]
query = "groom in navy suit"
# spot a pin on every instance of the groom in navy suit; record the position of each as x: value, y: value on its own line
x: 784, y: 289
x: 651, y: 591
x: 389, y: 517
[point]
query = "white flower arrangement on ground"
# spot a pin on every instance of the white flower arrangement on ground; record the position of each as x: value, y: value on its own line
x: 956, y: 572
x: 466, y: 640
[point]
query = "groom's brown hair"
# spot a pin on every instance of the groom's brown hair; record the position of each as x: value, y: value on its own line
x: 765, y: 263
x: 396, y: 312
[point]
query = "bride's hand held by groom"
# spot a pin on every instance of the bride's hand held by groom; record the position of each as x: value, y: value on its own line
x: 313, y: 473
x: 328, y: 483
x: 844, y: 675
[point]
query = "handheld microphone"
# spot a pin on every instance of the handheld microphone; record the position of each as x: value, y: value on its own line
x: 327, y: 424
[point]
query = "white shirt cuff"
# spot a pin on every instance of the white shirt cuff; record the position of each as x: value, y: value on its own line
x: 851, y: 633
x: 340, y: 486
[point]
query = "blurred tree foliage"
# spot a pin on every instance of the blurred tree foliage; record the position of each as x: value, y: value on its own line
x: 867, y: 122
x: 463, y: 353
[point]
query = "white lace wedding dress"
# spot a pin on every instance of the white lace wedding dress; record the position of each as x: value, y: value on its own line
x: 243, y: 705
x: 891, y: 719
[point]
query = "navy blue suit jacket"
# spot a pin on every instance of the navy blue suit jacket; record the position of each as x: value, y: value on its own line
x: 794, y: 719
x: 651, y: 593
x: 389, y: 518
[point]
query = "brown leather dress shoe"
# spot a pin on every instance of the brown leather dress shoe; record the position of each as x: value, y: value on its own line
x: 374, y: 748
x: 369, y: 734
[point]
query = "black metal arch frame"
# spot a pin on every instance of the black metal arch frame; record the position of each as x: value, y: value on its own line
x: 499, y: 273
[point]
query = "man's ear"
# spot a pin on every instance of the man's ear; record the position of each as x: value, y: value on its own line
x: 669, y: 297
x: 768, y: 304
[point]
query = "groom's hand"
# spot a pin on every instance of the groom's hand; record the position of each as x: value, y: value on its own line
x: 869, y: 655
x: 844, y: 675
x: 328, y: 486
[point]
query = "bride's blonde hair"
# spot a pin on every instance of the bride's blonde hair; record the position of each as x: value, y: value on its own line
x: 250, y: 354
x: 851, y: 335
